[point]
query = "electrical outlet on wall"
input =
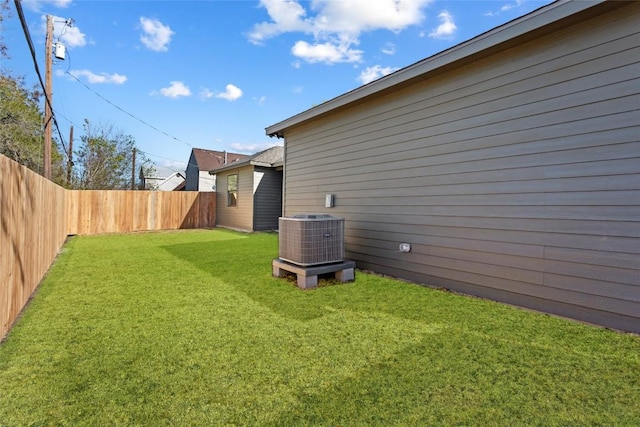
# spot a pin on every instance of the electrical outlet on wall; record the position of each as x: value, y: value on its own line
x: 329, y: 200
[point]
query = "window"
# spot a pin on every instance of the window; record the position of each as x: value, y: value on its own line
x: 232, y: 190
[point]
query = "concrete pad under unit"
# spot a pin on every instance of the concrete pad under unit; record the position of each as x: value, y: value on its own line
x: 307, y: 277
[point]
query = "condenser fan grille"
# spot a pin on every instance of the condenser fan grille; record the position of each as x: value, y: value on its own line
x: 311, y: 239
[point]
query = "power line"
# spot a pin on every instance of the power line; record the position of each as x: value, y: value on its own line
x: 48, y: 100
x: 161, y: 157
x: 126, y: 112
x: 23, y: 23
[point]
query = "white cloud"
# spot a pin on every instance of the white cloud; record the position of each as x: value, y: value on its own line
x: 173, y: 165
x: 231, y: 93
x: 286, y: 15
x: 71, y: 36
x: 206, y: 93
x: 261, y: 101
x: 176, y: 89
x: 35, y: 5
x: 506, y: 7
x: 94, y: 78
x: 509, y: 6
x: 253, y: 147
x: 447, y: 27
x: 326, y: 52
x: 372, y: 73
x: 388, y: 49
x: 155, y: 35
x: 336, y: 25
x: 356, y: 16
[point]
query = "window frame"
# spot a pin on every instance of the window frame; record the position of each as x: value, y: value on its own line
x: 232, y: 190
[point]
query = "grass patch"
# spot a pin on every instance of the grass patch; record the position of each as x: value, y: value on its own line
x: 189, y: 328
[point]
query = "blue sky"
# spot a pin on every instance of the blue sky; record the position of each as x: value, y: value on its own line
x: 178, y: 75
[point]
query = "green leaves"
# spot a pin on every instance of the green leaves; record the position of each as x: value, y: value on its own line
x: 20, y: 123
x: 105, y: 158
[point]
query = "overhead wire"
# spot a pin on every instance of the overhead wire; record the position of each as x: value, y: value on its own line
x: 164, y: 158
x: 27, y: 35
x: 126, y: 112
x: 67, y: 71
x: 48, y: 100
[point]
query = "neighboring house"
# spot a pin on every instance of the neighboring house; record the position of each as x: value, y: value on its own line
x: 161, y: 178
x: 250, y: 192
x: 510, y: 163
x: 201, y: 162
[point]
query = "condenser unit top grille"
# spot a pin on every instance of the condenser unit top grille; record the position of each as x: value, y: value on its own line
x: 311, y: 239
x: 308, y: 217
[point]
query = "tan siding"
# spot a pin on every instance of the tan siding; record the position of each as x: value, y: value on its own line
x: 240, y: 216
x: 516, y: 177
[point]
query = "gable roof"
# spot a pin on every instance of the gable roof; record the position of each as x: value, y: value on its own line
x: 271, y: 158
x: 211, y: 159
x: 543, y: 20
x: 174, y: 182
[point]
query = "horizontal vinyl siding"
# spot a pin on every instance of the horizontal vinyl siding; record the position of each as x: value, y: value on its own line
x: 240, y: 216
x: 267, y: 198
x: 207, y: 182
x: 516, y: 177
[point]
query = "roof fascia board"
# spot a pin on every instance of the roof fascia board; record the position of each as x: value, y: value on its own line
x: 228, y: 167
x: 262, y: 164
x: 518, y: 27
x: 243, y: 164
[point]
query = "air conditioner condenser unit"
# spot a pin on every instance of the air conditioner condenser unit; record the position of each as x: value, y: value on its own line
x: 311, y: 239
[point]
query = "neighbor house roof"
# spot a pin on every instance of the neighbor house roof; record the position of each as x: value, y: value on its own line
x: 174, y: 182
x: 156, y: 172
x: 210, y: 159
x: 544, y: 19
x: 270, y: 158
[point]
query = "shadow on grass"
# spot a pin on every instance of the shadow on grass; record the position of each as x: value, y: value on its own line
x: 245, y: 264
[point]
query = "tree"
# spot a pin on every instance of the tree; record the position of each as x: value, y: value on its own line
x: 21, y: 133
x: 4, y: 14
x: 105, y: 159
x: 20, y: 123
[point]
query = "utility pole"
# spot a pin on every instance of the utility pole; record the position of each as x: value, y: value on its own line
x: 48, y: 114
x: 133, y: 171
x: 70, y: 156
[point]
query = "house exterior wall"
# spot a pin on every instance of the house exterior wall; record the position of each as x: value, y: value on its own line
x: 197, y: 180
x: 267, y: 194
x: 240, y: 216
x: 192, y: 174
x: 207, y: 182
x: 151, y: 183
x: 515, y: 177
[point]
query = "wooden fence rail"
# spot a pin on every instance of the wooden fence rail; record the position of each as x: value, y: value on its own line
x: 36, y: 216
x: 98, y: 212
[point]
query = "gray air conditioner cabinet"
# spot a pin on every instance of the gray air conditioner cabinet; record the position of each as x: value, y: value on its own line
x: 311, y: 239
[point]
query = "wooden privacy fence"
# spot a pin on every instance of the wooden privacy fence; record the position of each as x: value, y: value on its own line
x: 37, y: 215
x: 98, y: 212
x: 33, y: 227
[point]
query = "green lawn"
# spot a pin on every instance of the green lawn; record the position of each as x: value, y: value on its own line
x: 189, y: 328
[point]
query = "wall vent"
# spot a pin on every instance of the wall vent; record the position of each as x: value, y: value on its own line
x: 311, y: 239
